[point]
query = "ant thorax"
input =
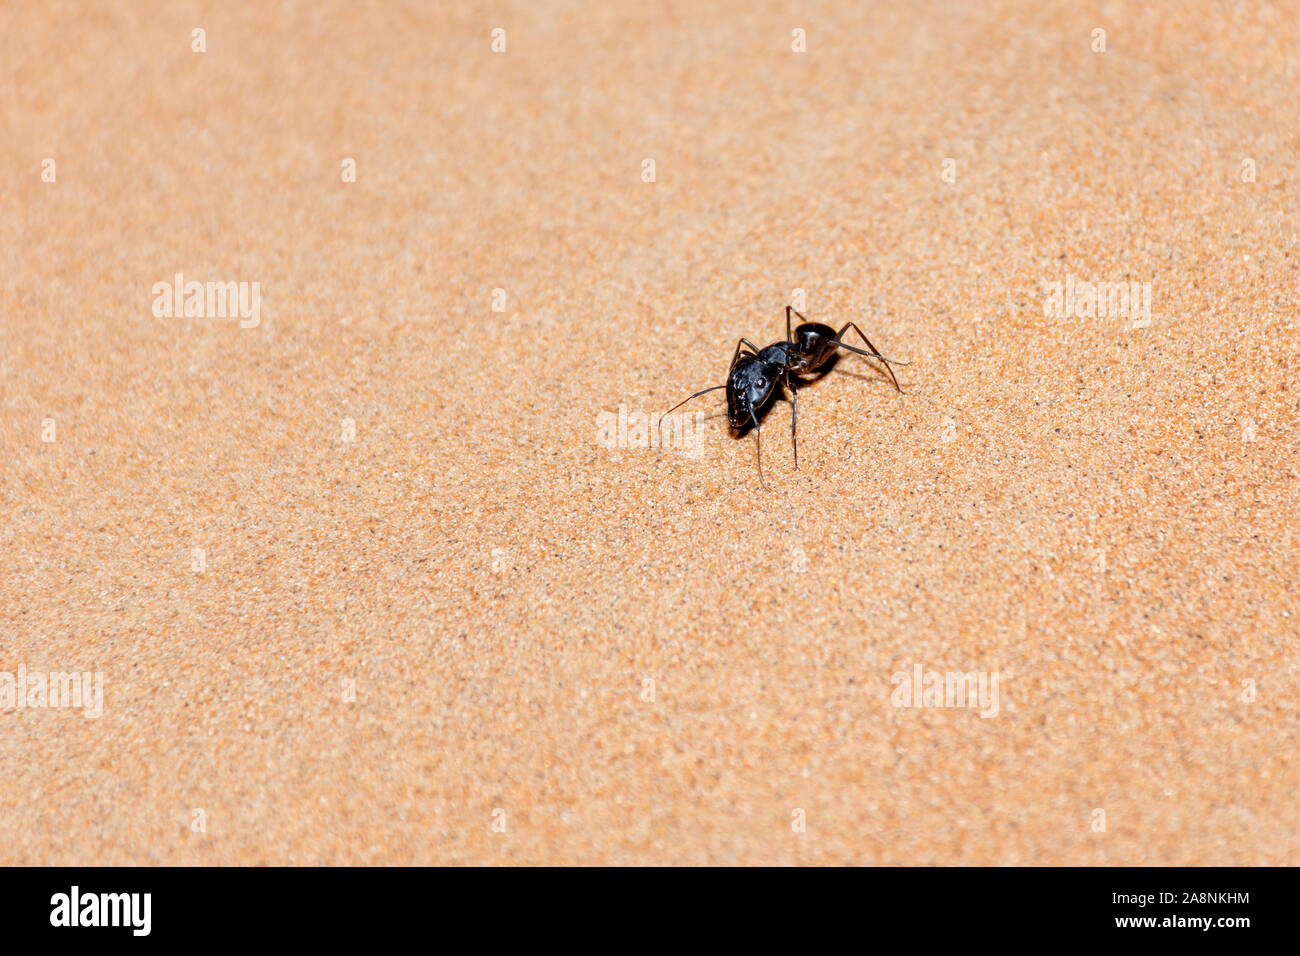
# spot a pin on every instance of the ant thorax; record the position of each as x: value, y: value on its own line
x: 778, y: 354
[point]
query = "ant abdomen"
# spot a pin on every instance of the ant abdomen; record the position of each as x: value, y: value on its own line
x: 814, y: 344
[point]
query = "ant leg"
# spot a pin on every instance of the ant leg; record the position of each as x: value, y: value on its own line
x: 758, y: 439
x: 875, y: 352
x: 794, y: 417
x: 736, y: 355
x: 789, y: 336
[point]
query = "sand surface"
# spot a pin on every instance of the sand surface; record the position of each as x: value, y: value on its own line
x: 435, y: 620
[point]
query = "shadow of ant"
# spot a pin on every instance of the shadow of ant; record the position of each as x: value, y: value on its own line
x: 761, y: 412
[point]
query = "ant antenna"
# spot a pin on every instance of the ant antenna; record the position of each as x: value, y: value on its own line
x: 703, y: 391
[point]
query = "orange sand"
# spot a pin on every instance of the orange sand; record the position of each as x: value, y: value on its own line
x: 1071, y: 502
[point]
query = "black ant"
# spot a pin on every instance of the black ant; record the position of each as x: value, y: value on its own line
x: 754, y: 373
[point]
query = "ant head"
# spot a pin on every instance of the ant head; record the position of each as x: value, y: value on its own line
x: 751, y: 384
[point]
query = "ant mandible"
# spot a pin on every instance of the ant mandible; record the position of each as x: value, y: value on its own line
x: 754, y: 373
